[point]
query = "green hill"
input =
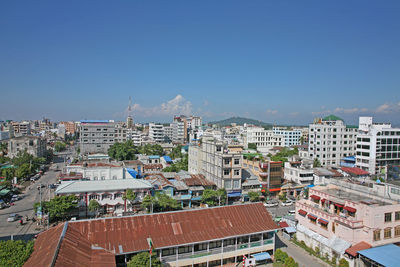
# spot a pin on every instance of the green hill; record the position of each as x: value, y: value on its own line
x: 240, y: 121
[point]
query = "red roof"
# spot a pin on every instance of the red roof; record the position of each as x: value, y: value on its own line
x: 315, y: 197
x: 197, y: 180
x: 283, y: 224
x: 302, y: 212
x: 357, y: 247
x: 350, y: 209
x: 354, y: 171
x: 174, y: 228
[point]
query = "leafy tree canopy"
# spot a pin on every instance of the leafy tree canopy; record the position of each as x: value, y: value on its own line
x: 59, y: 146
x: 59, y: 207
x: 123, y: 151
x: 254, y: 196
x: 161, y: 202
x: 180, y: 165
x: 15, y: 253
x: 94, y: 205
x: 129, y: 195
x: 143, y: 259
x: 213, y: 198
x: 252, y: 146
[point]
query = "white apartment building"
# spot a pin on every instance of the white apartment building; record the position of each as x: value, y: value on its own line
x: 378, y: 145
x: 135, y: 137
x: 178, y: 131
x: 168, y: 133
x: 156, y: 132
x: 218, y: 162
x: 264, y: 139
x: 96, y: 136
x: 21, y: 128
x: 299, y: 172
x: 330, y: 140
x: 194, y: 122
x: 291, y: 137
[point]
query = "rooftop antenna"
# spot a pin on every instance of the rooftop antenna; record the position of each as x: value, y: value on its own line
x: 130, y: 106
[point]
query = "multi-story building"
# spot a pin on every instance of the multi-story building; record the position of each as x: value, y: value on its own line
x: 179, y: 129
x: 21, y: 128
x: 271, y: 175
x: 96, y: 136
x: 34, y: 145
x: 291, y: 137
x: 330, y: 140
x: 129, y: 122
x: 216, y: 236
x: 121, y: 133
x: 218, y: 162
x: 168, y: 133
x: 135, y: 137
x: 333, y: 218
x: 264, y: 139
x: 378, y: 145
x: 156, y: 132
x: 194, y: 122
x: 300, y: 172
x: 70, y: 126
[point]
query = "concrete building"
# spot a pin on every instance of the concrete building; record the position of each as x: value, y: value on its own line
x: 121, y: 133
x: 330, y: 140
x: 335, y: 215
x: 218, y: 162
x: 378, y: 145
x: 291, y: 137
x: 179, y: 129
x: 264, y: 139
x: 135, y: 137
x: 129, y: 122
x: 168, y: 133
x: 70, y: 126
x: 194, y: 122
x: 96, y: 136
x: 300, y: 172
x: 156, y: 132
x: 33, y: 145
x: 21, y: 128
x: 179, y: 238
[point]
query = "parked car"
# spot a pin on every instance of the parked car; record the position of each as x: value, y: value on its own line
x: 271, y: 204
x: 40, y: 186
x: 292, y: 212
x: 15, y: 198
x: 12, y: 217
x: 287, y: 203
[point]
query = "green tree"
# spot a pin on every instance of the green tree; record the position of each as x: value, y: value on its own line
x: 149, y: 149
x: 147, y: 202
x: 254, y: 196
x: 252, y: 146
x: 94, y: 206
x: 130, y: 196
x: 23, y: 171
x: 3, y: 148
x: 289, y: 262
x: 282, y: 196
x: 59, y: 207
x: 209, y: 197
x: 334, y: 260
x: 280, y: 256
x: 49, y: 155
x: 343, y: 263
x: 176, y: 152
x: 166, y: 203
x: 15, y: 253
x: 123, y: 151
x: 59, y: 146
x: 180, y: 165
x: 316, y: 163
x: 8, y: 173
x: 143, y: 259
x: 221, y: 196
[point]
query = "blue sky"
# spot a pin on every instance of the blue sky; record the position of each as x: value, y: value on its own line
x: 278, y: 61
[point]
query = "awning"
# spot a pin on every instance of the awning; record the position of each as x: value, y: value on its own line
x: 274, y: 190
x: 261, y: 256
x: 312, y: 216
x: 302, y: 212
x: 315, y: 197
x: 234, y: 194
x: 350, y: 209
x: 323, y: 200
x: 339, y: 205
x: 322, y: 221
x: 290, y: 230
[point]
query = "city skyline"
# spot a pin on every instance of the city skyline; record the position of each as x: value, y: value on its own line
x: 283, y: 63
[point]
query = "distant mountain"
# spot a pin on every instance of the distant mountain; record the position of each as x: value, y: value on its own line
x: 240, y: 121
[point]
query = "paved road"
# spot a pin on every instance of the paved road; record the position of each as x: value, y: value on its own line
x: 24, y: 206
x: 298, y: 254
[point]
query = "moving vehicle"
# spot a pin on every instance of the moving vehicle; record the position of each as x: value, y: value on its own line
x: 15, y: 198
x: 12, y: 217
x: 271, y: 204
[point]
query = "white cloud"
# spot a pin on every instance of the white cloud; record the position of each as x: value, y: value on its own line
x: 350, y: 110
x: 388, y: 108
x: 271, y: 112
x: 176, y: 106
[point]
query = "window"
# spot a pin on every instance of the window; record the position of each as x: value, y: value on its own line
x: 377, y: 235
x: 397, y: 215
x: 227, y: 161
x: 236, y: 184
x: 237, y: 172
x: 227, y: 184
x: 114, y: 177
x: 388, y: 217
x: 388, y: 233
x: 237, y: 161
x: 397, y: 231
x: 226, y: 172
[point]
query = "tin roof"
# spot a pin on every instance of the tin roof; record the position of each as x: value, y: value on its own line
x: 197, y: 180
x: 355, y: 171
x: 130, y: 234
x: 73, y: 187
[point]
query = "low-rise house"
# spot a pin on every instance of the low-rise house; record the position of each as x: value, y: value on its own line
x: 181, y: 238
x: 108, y: 193
x: 152, y: 168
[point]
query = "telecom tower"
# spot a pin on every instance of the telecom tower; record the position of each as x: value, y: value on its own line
x: 129, y: 119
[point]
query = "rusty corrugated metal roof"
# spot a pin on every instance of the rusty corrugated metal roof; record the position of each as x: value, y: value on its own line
x: 197, y: 180
x: 175, y: 228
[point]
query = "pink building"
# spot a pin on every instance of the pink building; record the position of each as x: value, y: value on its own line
x: 332, y: 213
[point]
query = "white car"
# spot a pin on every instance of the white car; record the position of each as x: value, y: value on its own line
x: 271, y: 204
x: 12, y: 217
x: 287, y: 203
x: 291, y: 212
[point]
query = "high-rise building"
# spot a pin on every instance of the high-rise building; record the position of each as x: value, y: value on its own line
x: 129, y: 122
x: 97, y: 136
x: 264, y: 139
x: 330, y: 140
x: 21, y: 128
x: 156, y: 132
x: 378, y: 145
